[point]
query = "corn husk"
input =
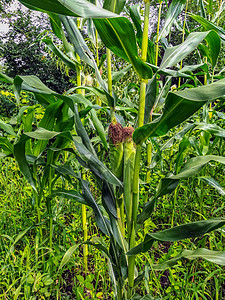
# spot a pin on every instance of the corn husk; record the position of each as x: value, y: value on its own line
x: 115, y: 134
x: 128, y: 170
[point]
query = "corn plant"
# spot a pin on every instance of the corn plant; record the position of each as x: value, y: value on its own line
x: 119, y: 216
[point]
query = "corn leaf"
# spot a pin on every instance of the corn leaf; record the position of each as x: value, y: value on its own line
x: 19, y: 154
x: 7, y: 128
x: 81, y: 8
x: 174, y: 55
x: 215, y: 184
x: 211, y: 128
x: 185, y: 231
x: 178, y: 107
x: 95, y: 164
x: 209, y: 25
x: 114, y: 33
x: 168, y: 185
x: 175, y: 8
x: 216, y: 257
x: 150, y: 98
x: 69, y: 194
x: 108, y: 199
x: 6, y: 146
x: 101, y: 221
x: 136, y: 18
x: 67, y: 256
x: 72, y: 64
x: 115, y: 6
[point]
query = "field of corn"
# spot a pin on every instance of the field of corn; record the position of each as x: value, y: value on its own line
x: 115, y: 188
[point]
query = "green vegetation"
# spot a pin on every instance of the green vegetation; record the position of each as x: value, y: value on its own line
x: 114, y: 189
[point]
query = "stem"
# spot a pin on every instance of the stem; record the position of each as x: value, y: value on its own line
x: 157, y: 34
x: 109, y: 72
x: 131, y: 259
x: 185, y: 18
x: 210, y: 104
x: 149, y: 145
x: 149, y: 159
x: 119, y: 291
x: 120, y: 214
x: 174, y: 205
x: 37, y: 203
x: 51, y: 216
x: 85, y: 247
x: 98, y: 101
x: 40, y: 226
x: 79, y: 91
x: 84, y: 212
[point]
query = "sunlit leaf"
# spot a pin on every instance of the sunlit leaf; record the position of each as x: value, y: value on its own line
x: 178, y: 107
x: 114, y: 33
x: 185, y: 231
x: 81, y: 8
x: 216, y: 257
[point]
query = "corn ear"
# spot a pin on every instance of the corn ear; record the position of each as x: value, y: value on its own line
x: 128, y: 171
x: 115, y: 134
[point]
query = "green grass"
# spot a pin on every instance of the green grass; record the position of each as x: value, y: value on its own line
x: 24, y: 275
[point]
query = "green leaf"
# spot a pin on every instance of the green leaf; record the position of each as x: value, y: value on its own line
x: 56, y: 25
x: 99, y: 127
x: 19, y: 153
x: 33, y: 84
x: 178, y: 107
x: 147, y: 211
x: 6, y: 78
x: 211, y: 128
x: 190, y: 230
x: 47, y: 122
x: 95, y: 164
x: 67, y: 61
x: 215, y: 184
x: 108, y: 199
x: 82, y: 49
x: 166, y: 186
x: 209, y: 25
x: 150, y: 98
x: 47, y: 280
x: 42, y: 134
x: 217, y: 257
x: 116, y: 76
x: 68, y: 255
x: 6, y: 146
x: 100, y: 246
x: 81, y: 8
x: 174, y: 55
x: 175, y: 8
x: 69, y: 194
x: 195, y: 164
x: 101, y: 221
x: 114, y: 33
x: 18, y: 237
x: 202, y: 9
x: 185, y: 231
x: 191, y: 168
x: 82, y: 132
x: 115, y: 6
x: 7, y: 127
x: 93, y: 90
x: 136, y: 18
x: 77, y: 40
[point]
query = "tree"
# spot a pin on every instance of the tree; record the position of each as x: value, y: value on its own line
x: 21, y: 52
